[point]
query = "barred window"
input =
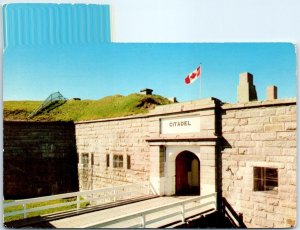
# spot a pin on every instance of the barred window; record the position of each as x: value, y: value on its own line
x: 118, y: 161
x: 265, y: 179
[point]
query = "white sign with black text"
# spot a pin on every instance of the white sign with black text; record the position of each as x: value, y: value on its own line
x: 189, y: 124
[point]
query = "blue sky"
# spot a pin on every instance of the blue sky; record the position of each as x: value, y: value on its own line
x: 70, y: 52
x: 95, y: 71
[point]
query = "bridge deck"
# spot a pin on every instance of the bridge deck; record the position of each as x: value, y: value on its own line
x: 89, y: 219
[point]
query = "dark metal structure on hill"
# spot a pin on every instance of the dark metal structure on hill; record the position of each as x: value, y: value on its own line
x: 52, y: 101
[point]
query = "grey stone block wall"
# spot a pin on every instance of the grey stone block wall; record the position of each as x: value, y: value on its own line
x: 39, y: 159
x: 260, y: 134
x: 253, y: 134
x: 237, y: 137
x: 126, y: 137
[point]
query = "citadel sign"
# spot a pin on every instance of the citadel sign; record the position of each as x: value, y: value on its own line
x: 189, y: 124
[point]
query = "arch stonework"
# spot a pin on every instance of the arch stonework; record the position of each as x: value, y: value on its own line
x: 163, y: 157
x: 190, y: 126
x: 187, y: 174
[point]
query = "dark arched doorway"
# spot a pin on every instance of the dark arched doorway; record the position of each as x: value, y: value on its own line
x: 187, y: 174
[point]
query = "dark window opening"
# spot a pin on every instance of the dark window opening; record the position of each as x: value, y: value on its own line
x: 265, y: 179
x: 128, y: 162
x: 92, y: 159
x: 118, y: 161
x: 107, y: 160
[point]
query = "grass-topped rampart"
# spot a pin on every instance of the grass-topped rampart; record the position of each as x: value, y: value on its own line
x: 82, y: 110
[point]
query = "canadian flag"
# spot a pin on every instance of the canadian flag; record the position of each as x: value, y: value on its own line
x: 193, y: 76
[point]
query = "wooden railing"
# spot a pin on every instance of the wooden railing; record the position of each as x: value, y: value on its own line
x: 93, y: 197
x: 163, y: 215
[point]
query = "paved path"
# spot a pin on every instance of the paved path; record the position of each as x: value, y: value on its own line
x: 88, y: 219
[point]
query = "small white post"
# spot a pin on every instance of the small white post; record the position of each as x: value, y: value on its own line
x: 182, y: 213
x: 115, y: 195
x: 143, y: 220
x: 78, y: 202
x: 25, y: 211
x: 92, y: 195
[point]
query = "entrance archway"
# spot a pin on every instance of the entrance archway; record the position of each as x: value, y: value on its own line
x: 187, y: 174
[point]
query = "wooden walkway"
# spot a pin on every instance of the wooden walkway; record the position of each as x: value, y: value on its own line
x: 90, y: 219
x: 154, y: 211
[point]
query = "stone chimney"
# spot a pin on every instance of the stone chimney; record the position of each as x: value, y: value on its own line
x: 271, y: 92
x: 246, y: 90
x: 146, y: 91
x: 173, y: 99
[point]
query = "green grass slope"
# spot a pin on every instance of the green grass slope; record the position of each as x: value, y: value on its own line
x: 108, y: 107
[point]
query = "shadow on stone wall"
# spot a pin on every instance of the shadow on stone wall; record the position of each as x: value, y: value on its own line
x: 212, y: 220
x: 235, y: 219
x: 39, y: 159
x: 227, y: 216
x: 221, y: 144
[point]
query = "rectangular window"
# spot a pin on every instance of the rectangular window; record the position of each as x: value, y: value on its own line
x: 118, y: 161
x: 128, y: 162
x: 107, y: 160
x: 265, y: 179
x: 92, y: 159
x: 85, y: 159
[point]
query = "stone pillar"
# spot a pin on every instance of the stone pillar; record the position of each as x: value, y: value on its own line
x: 208, y: 169
x: 246, y: 90
x: 156, y: 169
x: 271, y: 92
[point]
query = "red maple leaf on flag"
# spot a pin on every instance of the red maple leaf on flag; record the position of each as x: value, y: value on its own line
x: 193, y: 76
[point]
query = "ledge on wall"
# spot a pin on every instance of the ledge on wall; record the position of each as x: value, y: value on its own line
x: 183, y: 141
x: 286, y: 101
x: 205, y: 103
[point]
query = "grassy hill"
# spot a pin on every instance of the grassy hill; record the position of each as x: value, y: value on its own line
x: 72, y: 110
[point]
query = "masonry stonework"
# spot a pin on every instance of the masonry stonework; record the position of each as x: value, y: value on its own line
x: 245, y: 152
x: 107, y: 139
x: 201, y: 141
x: 260, y: 134
x: 39, y: 159
x: 140, y: 137
x: 230, y: 141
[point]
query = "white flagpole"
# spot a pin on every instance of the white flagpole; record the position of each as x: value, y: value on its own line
x: 200, y: 93
x: 199, y: 88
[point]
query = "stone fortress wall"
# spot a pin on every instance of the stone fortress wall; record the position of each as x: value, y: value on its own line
x: 137, y: 140
x: 238, y: 146
x: 39, y: 159
x: 232, y: 142
x: 99, y: 142
x: 260, y: 134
